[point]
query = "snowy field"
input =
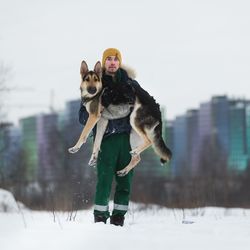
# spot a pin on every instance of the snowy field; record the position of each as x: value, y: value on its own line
x: 150, y: 227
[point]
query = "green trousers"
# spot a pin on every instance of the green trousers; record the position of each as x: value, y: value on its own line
x: 114, y: 155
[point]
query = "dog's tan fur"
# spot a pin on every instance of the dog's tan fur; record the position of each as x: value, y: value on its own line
x: 149, y: 132
x: 90, y: 79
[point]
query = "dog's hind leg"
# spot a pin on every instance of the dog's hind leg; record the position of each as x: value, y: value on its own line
x: 135, y: 153
x: 135, y: 159
x: 135, y: 139
x: 91, y: 122
x: 142, y: 147
x: 101, y: 127
x: 142, y: 141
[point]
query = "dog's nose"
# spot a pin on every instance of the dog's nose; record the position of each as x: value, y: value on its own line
x: 91, y: 90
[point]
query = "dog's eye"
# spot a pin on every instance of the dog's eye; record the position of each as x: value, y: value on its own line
x: 95, y: 79
x: 87, y: 79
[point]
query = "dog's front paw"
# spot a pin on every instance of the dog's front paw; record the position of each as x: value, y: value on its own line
x: 92, y: 161
x: 73, y: 150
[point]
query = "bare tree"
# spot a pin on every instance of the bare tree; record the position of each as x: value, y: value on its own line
x: 3, y: 76
x: 4, y: 71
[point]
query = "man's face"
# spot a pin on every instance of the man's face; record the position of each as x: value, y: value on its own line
x: 112, y: 64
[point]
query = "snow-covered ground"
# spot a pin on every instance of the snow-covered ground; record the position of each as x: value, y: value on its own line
x: 145, y: 228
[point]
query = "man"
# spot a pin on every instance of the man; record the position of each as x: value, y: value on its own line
x: 114, y: 153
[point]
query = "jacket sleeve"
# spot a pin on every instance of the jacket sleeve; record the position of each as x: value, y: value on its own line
x: 134, y: 83
x: 83, y: 114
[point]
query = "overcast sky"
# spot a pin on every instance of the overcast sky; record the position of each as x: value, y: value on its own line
x: 183, y: 51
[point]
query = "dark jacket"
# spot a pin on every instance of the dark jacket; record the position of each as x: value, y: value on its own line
x: 116, y: 92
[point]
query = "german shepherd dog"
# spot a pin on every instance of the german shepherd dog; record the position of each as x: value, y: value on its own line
x: 145, y: 119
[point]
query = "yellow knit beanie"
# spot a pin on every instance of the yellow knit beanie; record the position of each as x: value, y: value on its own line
x: 111, y: 52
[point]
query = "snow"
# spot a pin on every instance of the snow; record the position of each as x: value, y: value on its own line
x: 7, y: 202
x: 146, y: 227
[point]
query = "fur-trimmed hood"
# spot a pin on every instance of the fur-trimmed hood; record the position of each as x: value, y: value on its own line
x: 130, y: 71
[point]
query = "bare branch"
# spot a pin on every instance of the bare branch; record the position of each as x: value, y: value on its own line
x: 4, y: 71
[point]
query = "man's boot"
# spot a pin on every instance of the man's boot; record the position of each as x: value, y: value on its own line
x: 117, y: 220
x: 100, y: 218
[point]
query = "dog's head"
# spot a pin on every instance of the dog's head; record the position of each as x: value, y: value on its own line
x: 91, y: 83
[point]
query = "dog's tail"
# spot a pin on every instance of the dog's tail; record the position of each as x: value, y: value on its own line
x: 159, y: 145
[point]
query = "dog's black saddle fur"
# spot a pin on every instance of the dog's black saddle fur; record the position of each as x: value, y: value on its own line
x: 125, y: 91
x: 117, y: 92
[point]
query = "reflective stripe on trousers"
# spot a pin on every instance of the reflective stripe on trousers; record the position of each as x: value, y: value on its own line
x: 121, y: 207
x: 101, y: 208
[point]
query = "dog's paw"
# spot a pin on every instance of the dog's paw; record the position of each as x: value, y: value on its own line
x: 92, y: 162
x: 122, y: 172
x: 73, y: 150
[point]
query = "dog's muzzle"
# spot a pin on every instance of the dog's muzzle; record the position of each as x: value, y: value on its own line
x: 91, y: 90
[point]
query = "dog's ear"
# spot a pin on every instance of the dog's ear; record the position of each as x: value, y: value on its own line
x: 84, y: 68
x: 98, y: 68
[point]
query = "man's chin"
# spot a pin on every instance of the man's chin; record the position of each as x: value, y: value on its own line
x: 112, y: 71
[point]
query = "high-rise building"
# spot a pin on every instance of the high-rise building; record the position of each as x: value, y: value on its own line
x: 9, y: 150
x: 179, y: 160
x: 29, y: 144
x: 205, y: 129
x: 238, y: 158
x: 200, y: 136
x: 192, y: 141
x: 49, y: 147
x: 220, y: 118
x: 248, y: 130
x: 169, y: 139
